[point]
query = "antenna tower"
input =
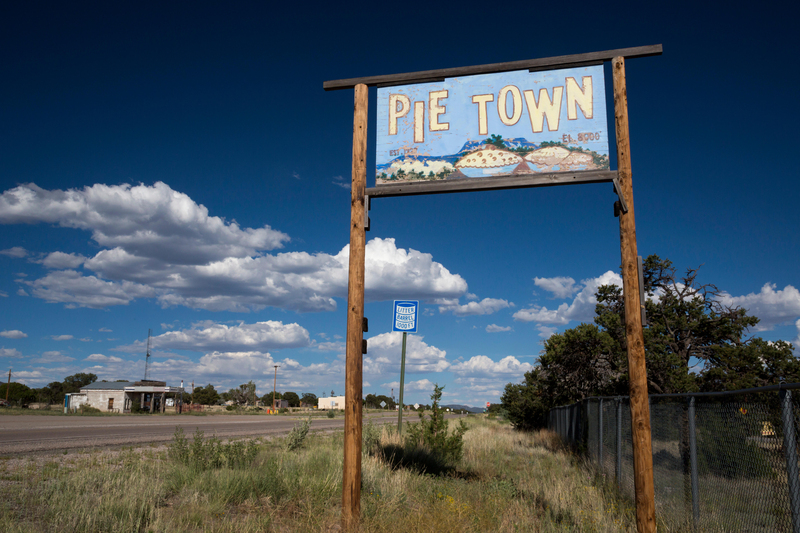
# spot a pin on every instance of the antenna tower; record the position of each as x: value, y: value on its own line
x: 147, y: 358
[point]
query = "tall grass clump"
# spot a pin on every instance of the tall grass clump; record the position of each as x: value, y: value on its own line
x: 204, y: 454
x: 297, y: 435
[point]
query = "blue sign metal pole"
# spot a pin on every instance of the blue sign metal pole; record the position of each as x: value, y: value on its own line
x: 405, y: 320
x: 402, y: 379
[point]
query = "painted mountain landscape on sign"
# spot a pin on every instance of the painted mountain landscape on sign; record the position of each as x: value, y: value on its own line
x: 491, y: 157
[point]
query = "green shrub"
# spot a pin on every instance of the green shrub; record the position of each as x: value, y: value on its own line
x: 330, y: 414
x: 298, y: 435
x: 88, y: 410
x: 724, y: 442
x: 434, y: 434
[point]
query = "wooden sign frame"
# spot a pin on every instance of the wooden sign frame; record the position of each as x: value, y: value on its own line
x: 359, y: 222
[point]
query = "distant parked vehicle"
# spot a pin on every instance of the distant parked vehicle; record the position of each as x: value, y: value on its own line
x: 4, y: 403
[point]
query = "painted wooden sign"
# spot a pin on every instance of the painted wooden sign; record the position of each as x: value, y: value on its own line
x: 491, y: 125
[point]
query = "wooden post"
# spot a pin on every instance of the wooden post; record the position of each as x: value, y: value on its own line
x: 351, y: 484
x: 640, y: 408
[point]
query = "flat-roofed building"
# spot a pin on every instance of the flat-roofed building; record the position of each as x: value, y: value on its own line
x: 119, y: 396
x: 334, y: 402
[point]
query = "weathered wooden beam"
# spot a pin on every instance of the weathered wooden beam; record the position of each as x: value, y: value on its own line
x: 637, y: 371
x: 425, y: 76
x: 351, y: 482
x: 493, y: 183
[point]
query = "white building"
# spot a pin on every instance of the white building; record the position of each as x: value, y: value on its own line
x: 118, y: 396
x: 334, y: 402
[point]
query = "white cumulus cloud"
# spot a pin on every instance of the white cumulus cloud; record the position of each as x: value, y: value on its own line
x: 422, y: 385
x: 560, y: 287
x: 260, y: 336
x: 11, y: 353
x: 772, y: 306
x: 153, y: 222
x: 158, y: 243
x: 383, y: 355
x: 581, y: 309
x: 494, y: 328
x: 487, y: 306
x: 76, y: 290
x: 62, y: 260
x: 98, y: 357
x: 16, y: 251
x: 483, y: 366
x: 53, y: 356
x: 13, y: 334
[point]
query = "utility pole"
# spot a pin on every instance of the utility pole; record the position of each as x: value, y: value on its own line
x: 274, y: 386
x: 180, y: 406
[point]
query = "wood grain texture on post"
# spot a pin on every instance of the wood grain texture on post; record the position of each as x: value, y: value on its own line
x: 640, y: 408
x: 351, y: 483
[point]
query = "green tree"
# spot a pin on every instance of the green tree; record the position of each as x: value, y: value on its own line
x: 267, y: 399
x: 496, y: 140
x: 755, y: 364
x: 245, y: 394
x: 373, y: 401
x: 75, y: 382
x: 52, y: 393
x: 434, y: 433
x: 18, y: 393
x: 292, y: 398
x: 526, y: 403
x: 686, y: 322
x: 581, y: 362
x: 309, y: 398
x: 207, y: 395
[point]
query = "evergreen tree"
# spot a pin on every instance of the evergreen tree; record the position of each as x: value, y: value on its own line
x: 687, y: 324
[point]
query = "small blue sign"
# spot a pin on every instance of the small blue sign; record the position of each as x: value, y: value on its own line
x: 405, y: 316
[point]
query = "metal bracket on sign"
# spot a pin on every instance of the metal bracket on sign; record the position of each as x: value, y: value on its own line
x: 620, y: 205
x: 366, y: 212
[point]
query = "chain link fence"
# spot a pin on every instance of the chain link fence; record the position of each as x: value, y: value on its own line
x: 721, y: 461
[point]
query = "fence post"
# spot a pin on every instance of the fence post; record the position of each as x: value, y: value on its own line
x: 569, y: 424
x: 693, y: 463
x: 561, y: 422
x: 790, y: 447
x: 558, y: 421
x: 619, y: 442
x: 600, y: 434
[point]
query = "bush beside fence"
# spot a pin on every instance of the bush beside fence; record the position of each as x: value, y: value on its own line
x: 721, y: 461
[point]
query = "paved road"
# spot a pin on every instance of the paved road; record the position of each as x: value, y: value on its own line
x: 35, y: 433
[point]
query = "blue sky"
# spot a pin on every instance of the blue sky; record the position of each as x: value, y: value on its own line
x: 179, y: 167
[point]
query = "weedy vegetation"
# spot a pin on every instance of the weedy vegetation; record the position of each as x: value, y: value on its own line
x: 493, y: 479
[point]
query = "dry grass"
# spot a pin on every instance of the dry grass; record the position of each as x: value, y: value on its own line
x: 507, y: 482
